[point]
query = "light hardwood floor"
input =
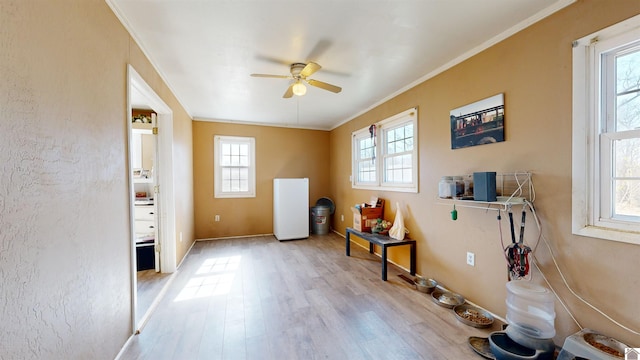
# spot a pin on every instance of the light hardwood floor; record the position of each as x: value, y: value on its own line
x: 149, y: 285
x: 258, y: 298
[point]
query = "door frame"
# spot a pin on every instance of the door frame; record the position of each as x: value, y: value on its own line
x: 165, y: 179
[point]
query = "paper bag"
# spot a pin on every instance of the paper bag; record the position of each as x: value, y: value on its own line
x: 397, y: 231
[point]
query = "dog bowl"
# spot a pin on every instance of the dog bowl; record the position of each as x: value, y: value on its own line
x: 473, y: 316
x: 446, y: 298
x: 481, y: 346
x: 425, y: 285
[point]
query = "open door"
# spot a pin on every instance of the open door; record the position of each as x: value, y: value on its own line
x: 140, y: 95
x: 145, y: 165
x: 156, y: 187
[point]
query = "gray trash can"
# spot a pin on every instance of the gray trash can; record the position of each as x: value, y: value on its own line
x: 320, y: 219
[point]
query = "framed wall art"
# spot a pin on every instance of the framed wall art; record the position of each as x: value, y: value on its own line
x: 479, y: 123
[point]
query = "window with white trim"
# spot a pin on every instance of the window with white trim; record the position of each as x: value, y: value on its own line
x: 234, y: 167
x: 606, y: 133
x: 385, y: 154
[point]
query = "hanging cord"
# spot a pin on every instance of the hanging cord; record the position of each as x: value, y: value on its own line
x: 564, y: 280
x: 372, y: 133
x: 519, y: 190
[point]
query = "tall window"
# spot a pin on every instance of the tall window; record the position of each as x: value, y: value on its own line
x: 606, y: 130
x: 234, y: 167
x: 385, y: 155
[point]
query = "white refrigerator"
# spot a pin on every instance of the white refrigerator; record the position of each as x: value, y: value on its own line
x: 291, y: 208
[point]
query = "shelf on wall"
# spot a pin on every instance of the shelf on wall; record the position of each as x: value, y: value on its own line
x: 514, y: 188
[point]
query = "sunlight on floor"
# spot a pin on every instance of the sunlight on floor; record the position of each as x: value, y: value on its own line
x: 214, y: 277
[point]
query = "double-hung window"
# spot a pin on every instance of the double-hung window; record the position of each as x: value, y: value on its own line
x: 385, y: 154
x: 234, y: 167
x: 606, y: 133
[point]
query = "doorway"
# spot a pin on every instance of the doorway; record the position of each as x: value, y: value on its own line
x: 152, y: 180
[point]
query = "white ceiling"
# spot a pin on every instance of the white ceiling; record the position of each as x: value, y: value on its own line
x: 373, y: 49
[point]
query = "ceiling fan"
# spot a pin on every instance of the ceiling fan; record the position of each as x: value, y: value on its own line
x: 300, y: 73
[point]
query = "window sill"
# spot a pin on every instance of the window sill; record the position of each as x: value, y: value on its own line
x: 233, y: 196
x: 382, y: 188
x: 628, y: 237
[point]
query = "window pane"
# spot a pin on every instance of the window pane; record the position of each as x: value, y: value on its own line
x: 366, y: 153
x: 627, y: 198
x: 400, y: 139
x: 234, y: 154
x: 224, y: 154
x: 628, y: 91
x: 243, y: 155
x: 235, y: 179
x: 406, y: 176
x: 226, y: 176
x: 243, y: 173
x: 399, y: 133
x: 406, y: 161
x: 398, y: 169
x: 408, y: 144
x: 628, y: 71
x: 408, y: 131
x: 627, y: 158
x: 628, y: 111
x: 244, y: 185
x: 397, y: 175
x: 366, y: 171
x: 367, y: 150
x: 626, y: 181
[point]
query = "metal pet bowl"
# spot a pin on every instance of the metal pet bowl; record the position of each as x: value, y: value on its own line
x: 446, y: 298
x: 473, y: 316
x: 425, y: 285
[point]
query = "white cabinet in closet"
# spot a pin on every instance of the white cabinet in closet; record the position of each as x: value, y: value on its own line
x: 144, y: 222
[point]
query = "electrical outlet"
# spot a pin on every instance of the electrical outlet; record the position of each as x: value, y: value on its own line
x: 471, y: 259
x: 217, y: 218
x: 180, y: 236
x: 341, y: 217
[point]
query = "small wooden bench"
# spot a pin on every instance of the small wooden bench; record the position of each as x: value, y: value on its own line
x: 384, y: 241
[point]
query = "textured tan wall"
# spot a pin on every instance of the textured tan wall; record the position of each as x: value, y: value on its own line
x: 65, y: 242
x: 533, y: 70
x: 280, y: 152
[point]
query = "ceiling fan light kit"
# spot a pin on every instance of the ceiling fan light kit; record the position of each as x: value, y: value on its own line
x: 299, y: 73
x: 299, y: 88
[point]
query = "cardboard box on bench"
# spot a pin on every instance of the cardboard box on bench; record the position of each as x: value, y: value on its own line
x: 367, y: 217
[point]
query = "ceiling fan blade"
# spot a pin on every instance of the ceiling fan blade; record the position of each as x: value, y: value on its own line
x: 289, y: 92
x: 309, y: 69
x: 319, y: 49
x: 324, y: 85
x: 273, y: 60
x: 272, y: 76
